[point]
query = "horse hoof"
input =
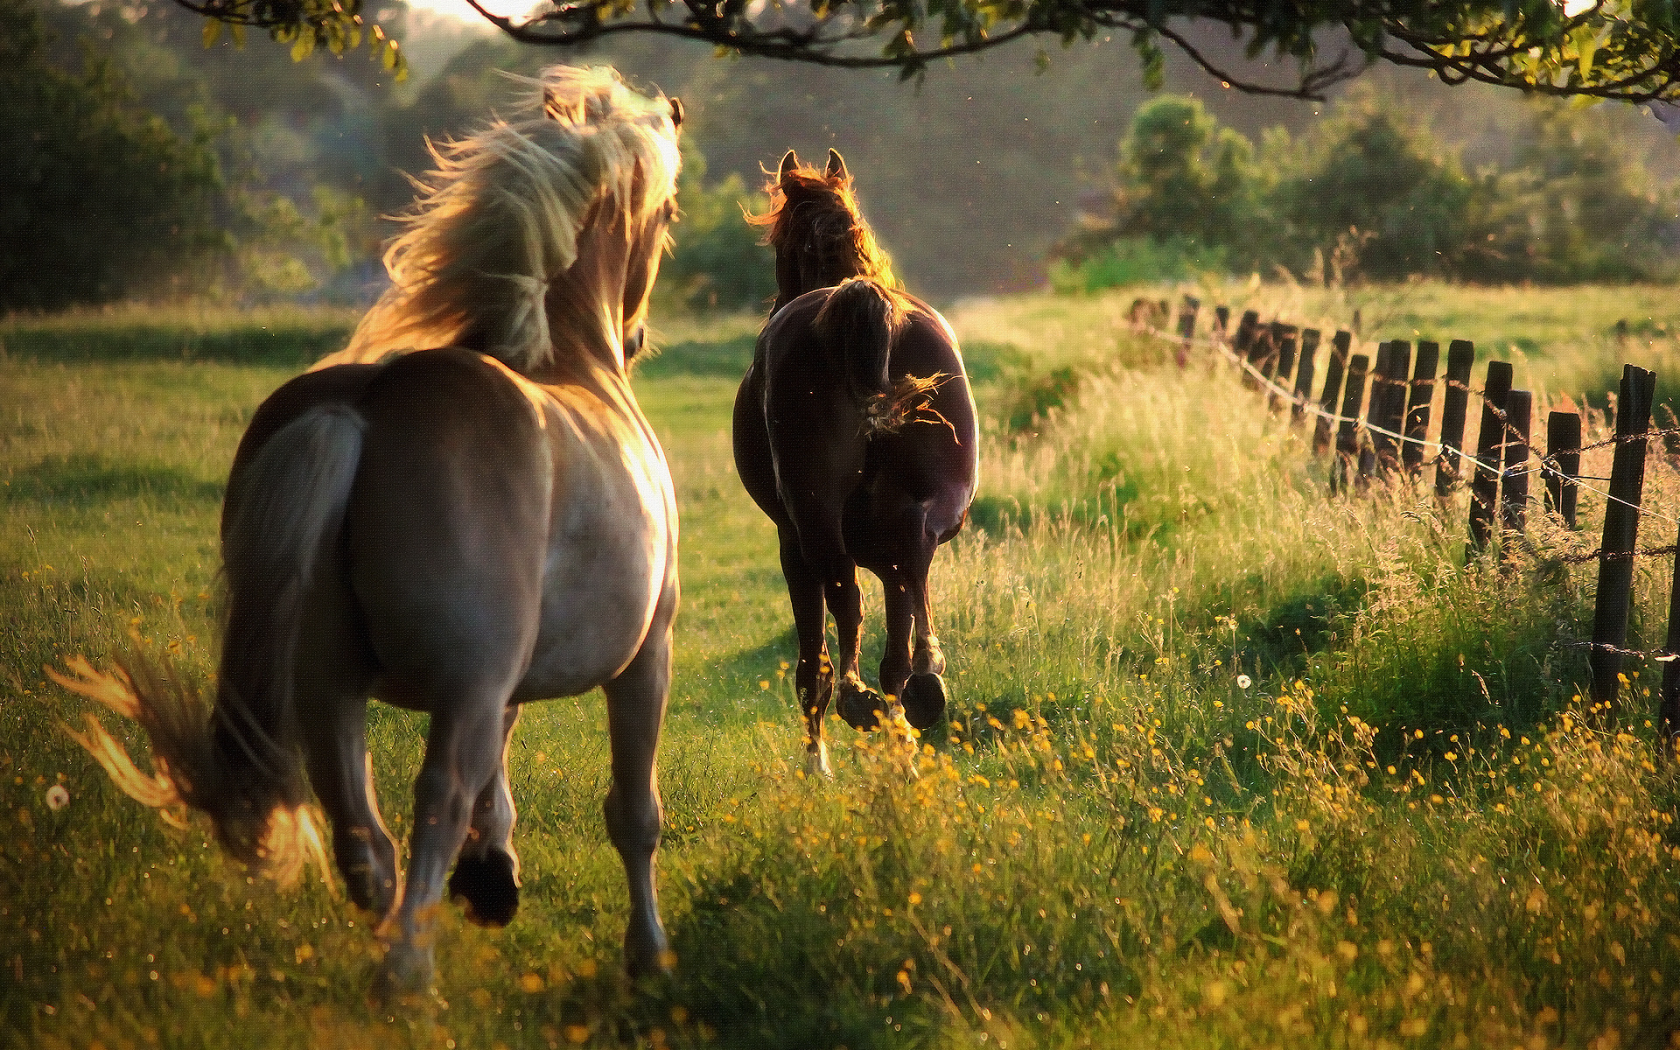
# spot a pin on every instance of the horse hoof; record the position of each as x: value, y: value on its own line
x: 647, y: 954
x: 407, y: 971
x: 924, y: 700
x: 816, y: 763
x: 370, y: 889
x: 861, y: 707
x: 488, y: 888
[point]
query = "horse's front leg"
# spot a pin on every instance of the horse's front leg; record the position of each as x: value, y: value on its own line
x: 635, y: 711
x: 486, y: 875
x: 463, y: 753
x: 813, y: 674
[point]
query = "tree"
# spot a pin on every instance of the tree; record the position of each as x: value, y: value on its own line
x: 1390, y: 186
x: 1181, y: 174
x: 1613, y: 49
x: 97, y: 194
x: 1372, y: 192
x: 1185, y: 194
x: 717, y: 260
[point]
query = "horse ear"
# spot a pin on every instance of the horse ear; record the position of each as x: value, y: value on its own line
x: 676, y: 111
x: 836, y: 166
x: 790, y: 162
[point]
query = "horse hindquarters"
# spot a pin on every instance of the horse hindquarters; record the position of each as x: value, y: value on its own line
x: 445, y: 537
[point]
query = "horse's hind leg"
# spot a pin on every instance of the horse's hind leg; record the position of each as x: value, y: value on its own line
x: 463, y: 754
x: 861, y: 706
x: 910, y: 673
x: 813, y: 675
x: 924, y: 692
x: 635, y: 710
x: 823, y: 552
x: 335, y: 740
x: 487, y: 872
x: 916, y: 669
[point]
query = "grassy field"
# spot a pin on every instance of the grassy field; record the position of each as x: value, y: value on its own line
x: 1230, y: 762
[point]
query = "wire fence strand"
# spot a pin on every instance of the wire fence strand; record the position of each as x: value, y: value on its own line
x: 1545, y: 465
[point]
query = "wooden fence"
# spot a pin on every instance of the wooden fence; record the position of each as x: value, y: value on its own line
x: 1373, y: 418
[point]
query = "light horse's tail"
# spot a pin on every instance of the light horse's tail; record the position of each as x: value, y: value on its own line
x: 238, y: 762
x: 862, y: 320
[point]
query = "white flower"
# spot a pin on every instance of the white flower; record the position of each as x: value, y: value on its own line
x: 57, y: 797
x: 1244, y: 681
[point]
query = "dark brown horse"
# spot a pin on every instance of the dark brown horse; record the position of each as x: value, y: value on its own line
x: 855, y: 432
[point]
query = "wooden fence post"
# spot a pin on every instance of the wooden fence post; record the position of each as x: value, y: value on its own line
x: 1461, y: 357
x: 1513, y: 482
x: 1563, y: 466
x: 1418, y: 404
x: 1347, y: 434
x: 1285, y: 336
x: 1264, y: 352
x: 1248, y: 334
x: 1621, y: 531
x: 1333, y: 371
x: 1304, y: 374
x: 1484, y: 483
x: 1388, y: 405
x: 1187, y: 327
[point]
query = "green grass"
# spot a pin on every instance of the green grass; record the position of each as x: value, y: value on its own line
x: 1230, y: 762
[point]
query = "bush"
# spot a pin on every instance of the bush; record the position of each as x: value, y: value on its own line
x: 1138, y: 260
x: 717, y: 261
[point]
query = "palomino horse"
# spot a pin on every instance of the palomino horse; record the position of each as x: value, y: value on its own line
x: 455, y: 530
x: 855, y: 432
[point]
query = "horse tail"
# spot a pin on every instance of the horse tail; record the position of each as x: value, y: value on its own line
x: 238, y: 761
x: 862, y: 319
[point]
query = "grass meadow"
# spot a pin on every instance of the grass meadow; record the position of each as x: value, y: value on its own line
x: 1230, y: 762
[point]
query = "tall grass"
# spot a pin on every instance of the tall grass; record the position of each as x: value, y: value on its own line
x: 1230, y: 762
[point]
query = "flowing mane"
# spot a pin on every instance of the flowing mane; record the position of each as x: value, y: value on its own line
x: 502, y: 212
x: 819, y: 212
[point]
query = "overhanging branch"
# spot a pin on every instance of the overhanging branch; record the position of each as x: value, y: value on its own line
x: 1599, y: 52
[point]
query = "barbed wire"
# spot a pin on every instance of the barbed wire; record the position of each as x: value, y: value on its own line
x: 1545, y: 465
x: 1661, y: 656
x: 1548, y: 466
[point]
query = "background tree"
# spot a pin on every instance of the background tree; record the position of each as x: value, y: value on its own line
x: 717, y: 260
x: 1186, y: 197
x: 1371, y: 192
x: 97, y: 194
x: 967, y: 179
x: 1373, y: 182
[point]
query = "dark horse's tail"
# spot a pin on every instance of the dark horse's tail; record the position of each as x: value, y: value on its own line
x: 238, y: 761
x: 860, y: 323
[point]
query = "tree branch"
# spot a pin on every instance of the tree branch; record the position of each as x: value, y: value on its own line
x: 1602, y: 52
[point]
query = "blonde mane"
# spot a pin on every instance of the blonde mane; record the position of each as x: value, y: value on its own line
x: 502, y: 213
